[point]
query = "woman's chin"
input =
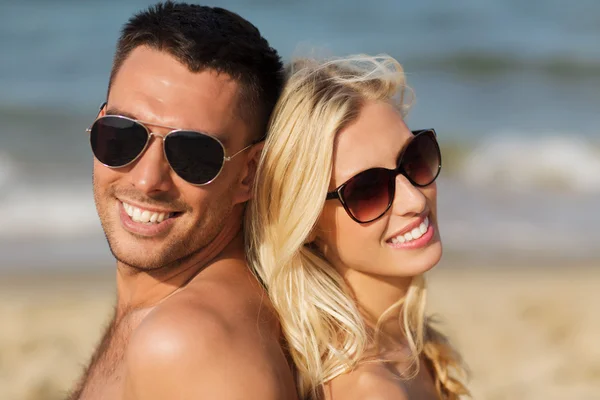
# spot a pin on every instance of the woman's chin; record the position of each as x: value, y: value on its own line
x: 418, y: 261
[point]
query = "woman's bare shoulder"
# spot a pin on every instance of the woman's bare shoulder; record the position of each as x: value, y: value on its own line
x: 369, y: 381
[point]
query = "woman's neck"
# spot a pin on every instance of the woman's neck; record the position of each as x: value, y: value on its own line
x: 375, y: 294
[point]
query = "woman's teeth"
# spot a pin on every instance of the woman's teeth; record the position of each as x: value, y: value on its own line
x: 412, y: 235
x: 145, y: 216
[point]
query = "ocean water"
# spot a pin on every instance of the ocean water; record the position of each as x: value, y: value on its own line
x: 512, y: 87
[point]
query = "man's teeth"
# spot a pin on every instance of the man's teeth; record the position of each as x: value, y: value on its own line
x: 412, y: 235
x: 139, y: 215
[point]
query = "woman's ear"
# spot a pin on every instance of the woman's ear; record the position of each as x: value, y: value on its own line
x: 312, y: 237
x: 315, y: 243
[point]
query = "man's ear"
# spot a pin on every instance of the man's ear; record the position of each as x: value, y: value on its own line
x: 102, y: 111
x: 246, y: 183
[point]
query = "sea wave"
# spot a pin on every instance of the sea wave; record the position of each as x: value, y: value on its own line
x: 58, y: 210
x: 513, y: 159
x: 7, y: 171
x: 482, y: 62
x: 488, y: 221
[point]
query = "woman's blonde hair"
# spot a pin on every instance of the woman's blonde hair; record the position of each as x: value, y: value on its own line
x: 325, y: 331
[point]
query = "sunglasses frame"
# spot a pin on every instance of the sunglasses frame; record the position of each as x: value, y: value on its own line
x: 399, y: 170
x: 145, y: 125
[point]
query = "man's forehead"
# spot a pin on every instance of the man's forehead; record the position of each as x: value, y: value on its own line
x: 153, y: 86
x: 159, y: 70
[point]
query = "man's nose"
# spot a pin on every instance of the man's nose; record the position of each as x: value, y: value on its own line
x: 151, y: 172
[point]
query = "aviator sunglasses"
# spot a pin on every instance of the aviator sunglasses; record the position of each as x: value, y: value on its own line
x: 368, y: 195
x: 196, y: 157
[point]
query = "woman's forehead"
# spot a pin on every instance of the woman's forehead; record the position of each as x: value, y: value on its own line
x: 374, y: 139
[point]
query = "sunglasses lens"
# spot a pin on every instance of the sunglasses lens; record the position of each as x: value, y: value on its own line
x: 195, y: 157
x: 117, y: 141
x: 421, y: 160
x: 368, y: 194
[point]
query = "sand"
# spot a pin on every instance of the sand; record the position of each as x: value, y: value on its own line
x: 525, y: 332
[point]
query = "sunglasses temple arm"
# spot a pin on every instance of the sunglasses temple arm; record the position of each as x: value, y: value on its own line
x: 245, y: 148
x: 332, y: 195
x: 257, y: 141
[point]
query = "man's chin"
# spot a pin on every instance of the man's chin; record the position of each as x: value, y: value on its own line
x: 141, y: 256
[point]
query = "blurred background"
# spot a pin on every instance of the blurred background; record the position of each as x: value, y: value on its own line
x: 513, y: 89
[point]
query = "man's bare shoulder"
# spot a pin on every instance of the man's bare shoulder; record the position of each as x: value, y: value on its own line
x: 369, y: 381
x: 217, y: 338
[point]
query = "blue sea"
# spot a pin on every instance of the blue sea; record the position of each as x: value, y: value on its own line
x: 512, y: 87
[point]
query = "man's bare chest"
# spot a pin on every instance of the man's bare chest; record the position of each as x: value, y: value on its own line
x: 106, y: 375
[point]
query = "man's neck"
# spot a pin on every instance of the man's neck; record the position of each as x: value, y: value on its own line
x: 143, y: 289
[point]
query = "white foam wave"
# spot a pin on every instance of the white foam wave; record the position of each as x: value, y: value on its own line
x: 57, y: 211
x: 7, y: 171
x: 484, y: 220
x: 519, y: 160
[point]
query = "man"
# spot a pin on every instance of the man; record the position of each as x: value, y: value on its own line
x: 175, y: 150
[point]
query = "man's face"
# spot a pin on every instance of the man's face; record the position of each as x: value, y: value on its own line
x: 154, y: 87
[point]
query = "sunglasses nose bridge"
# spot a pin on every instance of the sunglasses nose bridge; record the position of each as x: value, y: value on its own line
x: 163, y: 137
x: 158, y: 136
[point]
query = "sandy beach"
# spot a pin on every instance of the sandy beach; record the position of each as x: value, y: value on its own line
x: 525, y: 332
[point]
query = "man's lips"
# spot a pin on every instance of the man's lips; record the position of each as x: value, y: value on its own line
x: 145, y: 221
x: 147, y: 214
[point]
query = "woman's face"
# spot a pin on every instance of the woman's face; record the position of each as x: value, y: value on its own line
x: 385, y: 247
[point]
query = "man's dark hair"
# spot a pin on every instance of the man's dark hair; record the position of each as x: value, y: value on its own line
x: 201, y: 38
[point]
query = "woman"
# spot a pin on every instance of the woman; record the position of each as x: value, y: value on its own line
x: 342, y: 228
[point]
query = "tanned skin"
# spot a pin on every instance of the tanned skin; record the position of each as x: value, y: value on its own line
x: 191, y: 321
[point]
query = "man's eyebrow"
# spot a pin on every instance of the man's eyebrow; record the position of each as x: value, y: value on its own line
x: 116, y: 111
